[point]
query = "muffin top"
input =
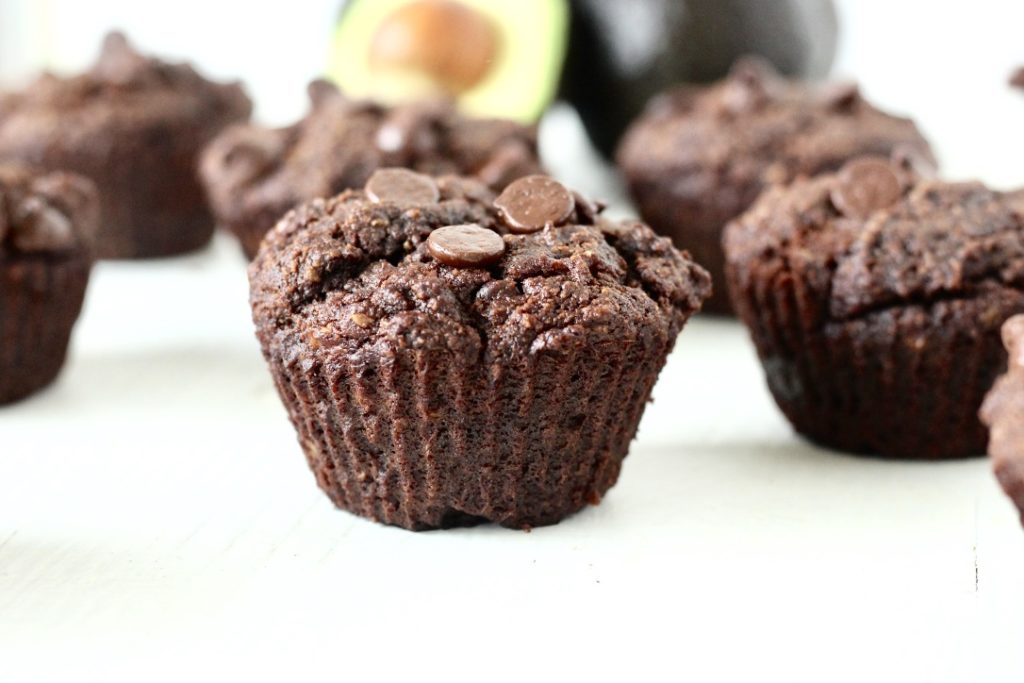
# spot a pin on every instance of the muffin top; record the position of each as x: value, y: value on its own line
x: 341, y: 142
x: 755, y: 128
x: 123, y: 90
x: 49, y: 214
x: 876, y: 235
x: 417, y: 263
x: 1003, y: 412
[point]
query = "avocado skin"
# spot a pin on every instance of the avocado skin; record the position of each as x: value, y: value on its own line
x: 621, y: 54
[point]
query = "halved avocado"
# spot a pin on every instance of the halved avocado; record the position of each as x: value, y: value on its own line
x: 501, y: 59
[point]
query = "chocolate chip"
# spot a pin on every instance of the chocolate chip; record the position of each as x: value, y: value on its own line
x: 530, y: 203
x: 402, y: 186
x: 40, y: 227
x: 864, y: 186
x: 841, y: 96
x: 465, y: 245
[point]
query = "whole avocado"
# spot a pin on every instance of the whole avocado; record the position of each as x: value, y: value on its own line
x: 622, y: 53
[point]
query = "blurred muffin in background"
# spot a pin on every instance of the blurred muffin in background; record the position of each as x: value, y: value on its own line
x: 47, y: 221
x: 875, y: 299
x: 135, y: 126
x: 699, y: 156
x: 254, y: 175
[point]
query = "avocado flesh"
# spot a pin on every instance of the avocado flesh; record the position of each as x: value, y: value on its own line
x: 519, y: 85
x: 621, y: 54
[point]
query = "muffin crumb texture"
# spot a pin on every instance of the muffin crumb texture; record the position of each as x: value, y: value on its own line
x: 443, y: 369
x: 133, y: 125
x: 876, y: 312
x: 254, y: 175
x: 701, y: 155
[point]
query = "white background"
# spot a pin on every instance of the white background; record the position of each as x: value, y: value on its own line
x: 157, y: 521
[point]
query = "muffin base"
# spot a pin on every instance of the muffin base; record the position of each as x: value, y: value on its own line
x: 429, y: 440
x: 903, y: 382
x: 40, y: 300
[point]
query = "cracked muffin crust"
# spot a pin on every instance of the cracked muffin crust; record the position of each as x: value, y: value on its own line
x: 253, y: 175
x: 699, y: 156
x: 505, y: 388
x: 876, y: 312
x: 47, y: 221
x: 1003, y: 412
x: 134, y: 126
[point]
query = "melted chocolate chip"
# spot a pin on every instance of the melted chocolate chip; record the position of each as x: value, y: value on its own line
x: 465, y: 245
x: 530, y: 203
x: 864, y: 186
x: 402, y: 186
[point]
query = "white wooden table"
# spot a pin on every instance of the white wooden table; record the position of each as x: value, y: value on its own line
x: 157, y: 522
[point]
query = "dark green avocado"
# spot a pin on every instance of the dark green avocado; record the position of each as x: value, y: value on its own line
x: 623, y: 52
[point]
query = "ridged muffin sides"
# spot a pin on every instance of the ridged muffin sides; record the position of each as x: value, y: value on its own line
x: 46, y: 226
x: 427, y: 395
x: 879, y: 331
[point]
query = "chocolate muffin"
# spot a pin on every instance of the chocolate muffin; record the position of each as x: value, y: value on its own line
x: 1003, y: 412
x: 874, y: 298
x: 46, y: 226
x: 699, y: 156
x: 254, y: 175
x: 134, y: 126
x: 449, y: 357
